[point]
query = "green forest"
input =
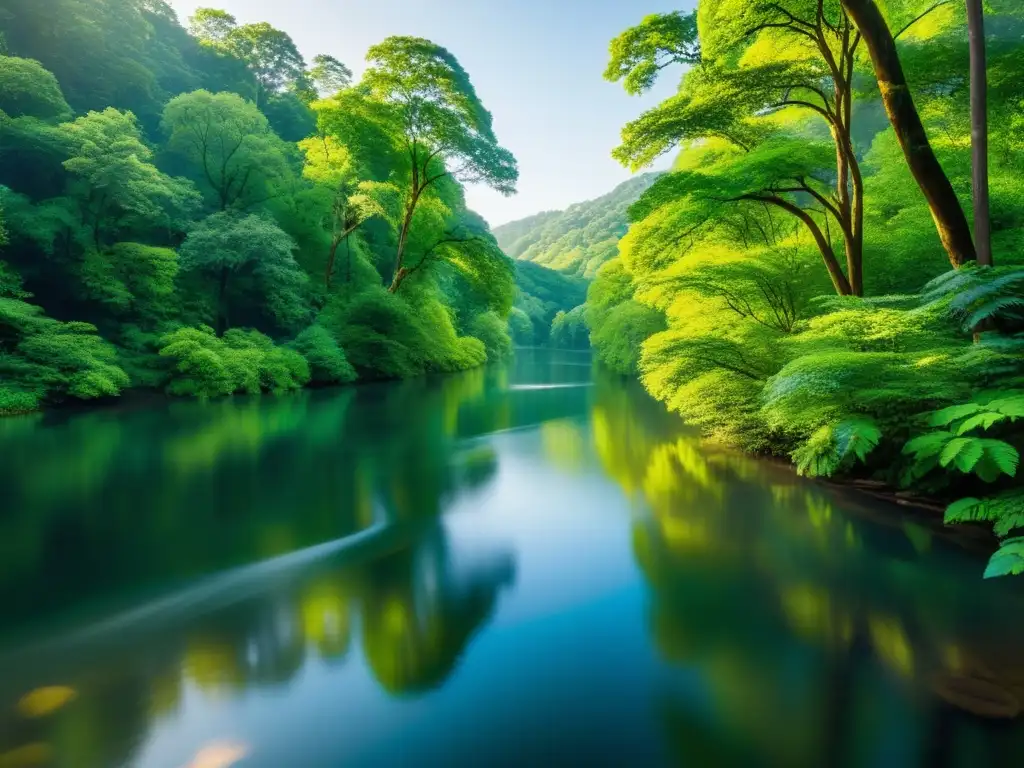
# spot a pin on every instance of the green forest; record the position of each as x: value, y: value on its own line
x: 200, y: 210
x: 819, y: 276
x: 832, y: 270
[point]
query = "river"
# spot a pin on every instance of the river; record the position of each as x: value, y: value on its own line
x: 519, y: 566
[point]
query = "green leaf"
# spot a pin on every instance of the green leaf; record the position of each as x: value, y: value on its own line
x: 1003, y: 455
x: 1010, y: 406
x: 1009, y: 523
x: 928, y: 445
x: 965, y: 451
x: 1008, y: 561
x: 983, y: 420
x: 857, y: 436
x: 948, y: 415
x: 969, y: 510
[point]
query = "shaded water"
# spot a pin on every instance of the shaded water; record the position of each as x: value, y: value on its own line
x: 526, y: 566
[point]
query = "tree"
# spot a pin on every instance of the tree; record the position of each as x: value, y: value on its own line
x: 445, y: 129
x: 117, y: 179
x: 761, y: 62
x: 252, y: 263
x: 27, y: 89
x: 979, y: 131
x: 657, y: 42
x: 950, y: 220
x: 348, y: 203
x: 329, y: 75
x: 228, y: 145
x: 270, y: 54
x: 212, y: 26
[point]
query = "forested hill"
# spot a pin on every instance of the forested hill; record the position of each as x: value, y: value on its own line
x: 199, y: 209
x: 578, y: 240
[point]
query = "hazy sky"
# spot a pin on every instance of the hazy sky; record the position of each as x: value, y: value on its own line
x: 536, y: 64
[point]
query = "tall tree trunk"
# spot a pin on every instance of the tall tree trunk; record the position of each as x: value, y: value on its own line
x: 403, y: 239
x: 331, y: 254
x: 979, y: 131
x: 948, y: 214
x: 828, y: 255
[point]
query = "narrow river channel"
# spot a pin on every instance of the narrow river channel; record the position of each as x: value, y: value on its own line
x: 525, y: 566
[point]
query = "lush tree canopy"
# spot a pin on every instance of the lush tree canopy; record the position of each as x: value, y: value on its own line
x: 823, y: 147
x: 199, y: 211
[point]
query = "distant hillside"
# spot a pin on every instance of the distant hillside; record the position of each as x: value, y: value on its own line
x: 578, y: 240
x: 543, y: 293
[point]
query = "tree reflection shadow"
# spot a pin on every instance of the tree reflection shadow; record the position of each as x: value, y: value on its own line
x: 799, y: 617
x: 418, y: 606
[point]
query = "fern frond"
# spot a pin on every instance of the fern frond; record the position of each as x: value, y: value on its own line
x: 984, y: 420
x: 964, y: 452
x: 950, y: 282
x: 858, y: 437
x: 1008, y: 561
x: 994, y: 309
x: 1006, y: 524
x: 998, y: 458
x: 1012, y: 407
x: 818, y: 457
x: 947, y: 416
x: 970, y: 510
x: 930, y: 444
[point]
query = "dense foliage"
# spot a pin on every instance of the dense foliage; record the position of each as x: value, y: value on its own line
x: 774, y: 288
x: 201, y: 211
x: 578, y: 240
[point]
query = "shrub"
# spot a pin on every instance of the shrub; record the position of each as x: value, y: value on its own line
x: 205, y: 366
x: 386, y: 336
x: 494, y: 333
x: 569, y: 330
x: 44, y: 360
x: 327, y: 361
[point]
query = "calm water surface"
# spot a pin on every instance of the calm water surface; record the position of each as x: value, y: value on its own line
x: 527, y: 566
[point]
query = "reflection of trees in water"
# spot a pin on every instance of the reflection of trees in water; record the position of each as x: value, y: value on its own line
x: 418, y: 608
x: 97, y: 500
x: 799, y: 618
x: 421, y: 612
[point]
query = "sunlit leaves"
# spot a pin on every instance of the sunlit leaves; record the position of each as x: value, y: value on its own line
x: 439, y: 110
x: 641, y: 52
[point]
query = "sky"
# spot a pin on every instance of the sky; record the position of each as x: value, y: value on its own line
x: 536, y: 64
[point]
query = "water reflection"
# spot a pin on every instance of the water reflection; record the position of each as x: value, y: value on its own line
x: 410, y: 611
x: 806, y: 624
x: 554, y: 572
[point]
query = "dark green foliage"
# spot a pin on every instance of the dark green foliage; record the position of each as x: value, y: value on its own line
x: 43, y: 360
x: 543, y: 293
x: 135, y: 282
x: 494, y: 333
x: 520, y: 328
x: 157, y: 184
x: 249, y: 267
x: 327, y: 361
x: 27, y: 89
x: 569, y: 330
x: 386, y: 336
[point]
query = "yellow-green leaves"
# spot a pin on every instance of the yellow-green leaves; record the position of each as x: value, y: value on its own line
x: 638, y: 55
